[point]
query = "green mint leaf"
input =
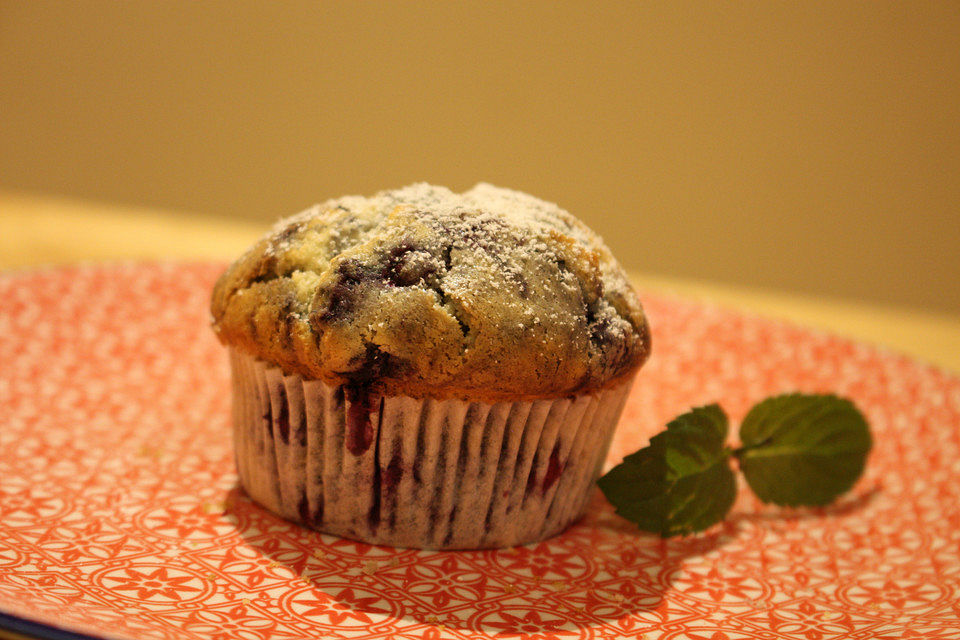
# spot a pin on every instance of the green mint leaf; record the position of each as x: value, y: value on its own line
x: 682, y: 482
x: 801, y: 449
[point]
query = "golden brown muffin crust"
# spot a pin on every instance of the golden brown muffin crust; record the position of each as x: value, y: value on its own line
x: 490, y: 294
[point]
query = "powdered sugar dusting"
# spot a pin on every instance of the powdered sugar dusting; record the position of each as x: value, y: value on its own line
x: 517, y: 215
x: 480, y: 279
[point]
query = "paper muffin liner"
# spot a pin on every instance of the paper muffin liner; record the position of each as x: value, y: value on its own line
x: 423, y: 473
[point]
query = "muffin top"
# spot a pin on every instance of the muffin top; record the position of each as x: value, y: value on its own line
x: 490, y: 294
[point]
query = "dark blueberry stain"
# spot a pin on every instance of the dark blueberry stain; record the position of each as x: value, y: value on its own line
x: 599, y: 329
x: 440, y: 472
x: 344, y: 293
x: 268, y: 423
x: 318, y: 515
x: 434, y: 512
x: 600, y: 332
x: 397, y: 269
x: 532, y: 478
x: 393, y: 473
x: 301, y: 433
x: 337, y: 400
x: 554, y: 468
x: 373, y: 516
x: 590, y: 313
x: 374, y: 365
x: 341, y: 303
x: 267, y: 269
x: 303, y: 508
x: 283, y: 416
x: 421, y: 452
x: 453, y: 516
x: 359, y: 426
x: 447, y: 260
x: 386, y: 492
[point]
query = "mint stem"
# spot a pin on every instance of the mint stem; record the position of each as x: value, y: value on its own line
x: 739, y: 451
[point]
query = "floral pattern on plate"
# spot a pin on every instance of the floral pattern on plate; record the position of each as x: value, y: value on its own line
x: 120, y: 514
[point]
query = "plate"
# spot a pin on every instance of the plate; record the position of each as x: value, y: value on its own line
x: 120, y: 515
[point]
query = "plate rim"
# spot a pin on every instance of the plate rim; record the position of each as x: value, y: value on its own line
x: 40, y: 630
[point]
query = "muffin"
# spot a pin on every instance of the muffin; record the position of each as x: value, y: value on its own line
x: 428, y: 369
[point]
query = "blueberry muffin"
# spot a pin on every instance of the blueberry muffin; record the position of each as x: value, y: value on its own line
x: 428, y: 369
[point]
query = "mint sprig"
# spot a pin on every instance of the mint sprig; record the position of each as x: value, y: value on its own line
x: 682, y: 481
x: 798, y: 450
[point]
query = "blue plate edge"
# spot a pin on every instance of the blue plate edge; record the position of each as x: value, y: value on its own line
x: 40, y: 630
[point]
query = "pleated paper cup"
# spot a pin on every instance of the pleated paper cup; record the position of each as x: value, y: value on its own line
x: 417, y: 472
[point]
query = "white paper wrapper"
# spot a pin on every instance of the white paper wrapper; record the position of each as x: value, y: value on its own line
x: 423, y: 473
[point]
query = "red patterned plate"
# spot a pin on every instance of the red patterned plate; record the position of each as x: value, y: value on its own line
x: 120, y: 516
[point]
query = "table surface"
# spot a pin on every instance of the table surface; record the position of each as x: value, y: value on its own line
x: 40, y: 230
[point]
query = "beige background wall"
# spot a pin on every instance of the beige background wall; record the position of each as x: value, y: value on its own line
x: 807, y: 146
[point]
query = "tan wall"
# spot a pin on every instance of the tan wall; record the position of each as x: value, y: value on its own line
x: 812, y: 146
